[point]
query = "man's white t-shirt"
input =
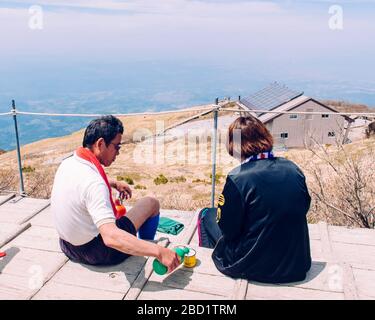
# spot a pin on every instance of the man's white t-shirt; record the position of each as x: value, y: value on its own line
x: 80, y: 201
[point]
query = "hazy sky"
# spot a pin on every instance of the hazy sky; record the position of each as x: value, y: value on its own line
x: 271, y: 40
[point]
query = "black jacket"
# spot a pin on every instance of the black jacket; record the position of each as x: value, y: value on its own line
x: 262, y: 216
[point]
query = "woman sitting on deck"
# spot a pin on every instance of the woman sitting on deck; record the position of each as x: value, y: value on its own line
x: 261, y: 231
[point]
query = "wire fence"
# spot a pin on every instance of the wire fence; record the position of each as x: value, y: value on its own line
x: 215, y: 108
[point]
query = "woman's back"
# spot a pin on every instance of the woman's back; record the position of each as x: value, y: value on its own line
x: 262, y: 215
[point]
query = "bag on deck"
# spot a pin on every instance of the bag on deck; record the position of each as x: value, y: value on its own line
x: 208, y: 230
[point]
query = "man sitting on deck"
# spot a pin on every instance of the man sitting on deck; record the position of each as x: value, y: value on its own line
x: 84, y: 212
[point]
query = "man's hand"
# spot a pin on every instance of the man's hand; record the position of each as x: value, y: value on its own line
x: 123, y: 188
x: 169, y: 258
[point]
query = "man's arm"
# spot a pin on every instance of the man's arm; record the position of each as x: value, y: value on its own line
x: 123, y: 241
x: 121, y: 187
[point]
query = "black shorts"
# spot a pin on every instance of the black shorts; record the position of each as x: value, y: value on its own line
x: 96, y: 252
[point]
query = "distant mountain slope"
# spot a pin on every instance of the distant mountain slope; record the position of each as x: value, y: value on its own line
x: 344, y: 106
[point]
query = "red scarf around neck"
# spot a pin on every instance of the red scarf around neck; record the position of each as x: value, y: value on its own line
x: 87, y: 155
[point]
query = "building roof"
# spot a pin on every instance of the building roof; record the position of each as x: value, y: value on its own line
x: 270, y: 97
x: 277, y: 97
x: 265, y: 117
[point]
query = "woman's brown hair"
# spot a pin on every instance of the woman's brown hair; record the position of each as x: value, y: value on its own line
x: 255, y: 137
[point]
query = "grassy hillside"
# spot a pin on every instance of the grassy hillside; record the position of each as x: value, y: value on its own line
x: 344, y: 106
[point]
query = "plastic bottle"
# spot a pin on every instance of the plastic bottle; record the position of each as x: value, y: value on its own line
x: 161, y: 269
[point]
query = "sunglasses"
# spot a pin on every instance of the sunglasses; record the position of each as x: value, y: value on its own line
x: 117, y: 146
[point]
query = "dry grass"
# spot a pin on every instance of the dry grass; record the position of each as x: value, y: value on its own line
x: 8, y: 180
x: 341, y: 183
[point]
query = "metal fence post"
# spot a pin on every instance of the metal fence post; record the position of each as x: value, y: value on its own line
x: 22, y: 189
x: 213, y: 154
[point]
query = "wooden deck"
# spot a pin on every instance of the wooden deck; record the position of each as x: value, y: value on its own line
x: 35, y: 268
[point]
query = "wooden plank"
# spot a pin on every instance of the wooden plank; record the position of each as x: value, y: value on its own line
x: 23, y: 272
x: 352, y: 236
x: 193, y: 281
x: 317, y: 250
x: 350, y: 288
x: 188, y: 235
x: 5, y: 197
x: 142, y: 277
x: 8, y: 231
x: 362, y: 266
x: 271, y: 292
x: 20, y: 210
x: 322, y: 276
x: 157, y: 291
x: 15, y: 288
x: 365, y: 283
x: 114, y: 278
x: 314, y: 231
x: 43, y: 219
x: 354, y: 253
x: 240, y: 290
x: 24, y: 262
x: 205, y: 264
x: 41, y: 238
x: 195, y: 239
x: 58, y: 291
x: 327, y: 250
x: 204, y: 278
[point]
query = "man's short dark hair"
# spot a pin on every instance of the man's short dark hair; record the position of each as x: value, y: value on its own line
x: 106, y: 127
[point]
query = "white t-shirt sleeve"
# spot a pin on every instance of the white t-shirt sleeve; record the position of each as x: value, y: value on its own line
x: 98, y: 204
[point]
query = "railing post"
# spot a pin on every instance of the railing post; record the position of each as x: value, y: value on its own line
x: 22, y: 189
x: 213, y: 153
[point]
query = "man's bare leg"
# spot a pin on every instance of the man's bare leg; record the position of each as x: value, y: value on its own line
x: 142, y: 210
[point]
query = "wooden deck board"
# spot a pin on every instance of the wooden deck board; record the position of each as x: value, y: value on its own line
x: 26, y: 262
x: 8, y: 231
x: 355, y: 254
x: 365, y: 283
x: 269, y: 292
x: 117, y: 278
x: 20, y: 210
x: 194, y: 281
x: 15, y: 288
x: 41, y: 238
x: 157, y: 291
x: 58, y: 291
x: 343, y: 265
x: 23, y: 272
x: 43, y: 219
x: 5, y: 197
x: 352, y: 236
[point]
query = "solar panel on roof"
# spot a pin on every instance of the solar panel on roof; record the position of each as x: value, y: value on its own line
x: 270, y: 97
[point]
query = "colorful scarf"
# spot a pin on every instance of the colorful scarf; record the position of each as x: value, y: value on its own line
x: 260, y: 156
x: 87, y: 155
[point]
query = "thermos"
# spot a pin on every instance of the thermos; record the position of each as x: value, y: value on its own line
x: 161, y: 269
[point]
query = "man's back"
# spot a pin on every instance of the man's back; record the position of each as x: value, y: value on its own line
x: 79, y: 199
